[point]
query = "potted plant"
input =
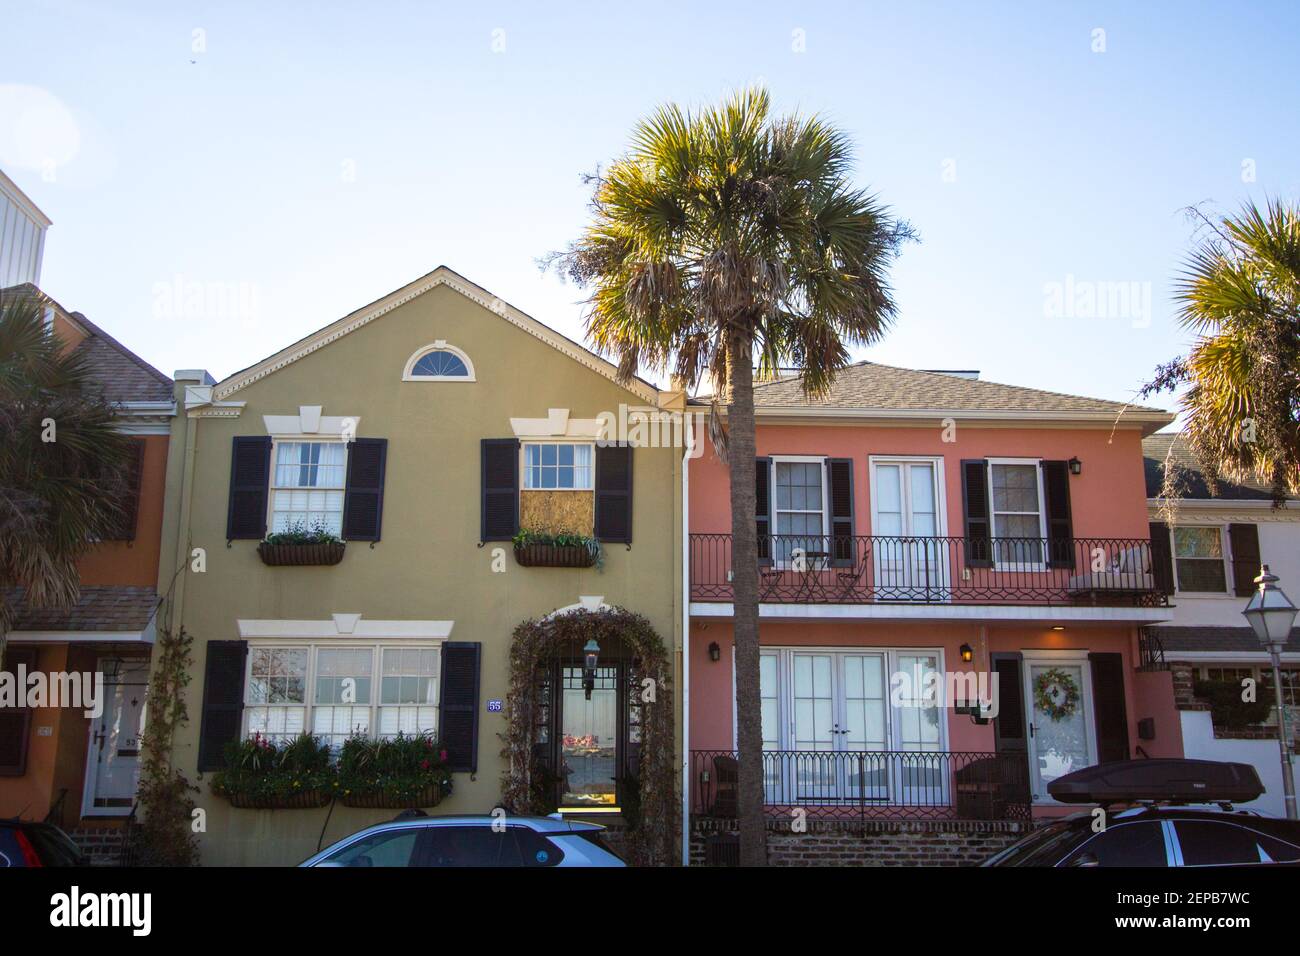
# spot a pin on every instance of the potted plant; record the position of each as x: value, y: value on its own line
x: 399, y: 773
x: 261, y: 775
x: 563, y: 549
x: 300, y: 545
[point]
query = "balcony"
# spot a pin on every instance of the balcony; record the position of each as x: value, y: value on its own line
x: 862, y: 785
x: 812, y: 569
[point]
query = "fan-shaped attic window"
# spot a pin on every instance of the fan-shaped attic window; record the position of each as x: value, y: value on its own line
x: 439, y: 362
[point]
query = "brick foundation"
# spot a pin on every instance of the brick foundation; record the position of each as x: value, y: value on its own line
x: 875, y: 842
x: 103, y: 846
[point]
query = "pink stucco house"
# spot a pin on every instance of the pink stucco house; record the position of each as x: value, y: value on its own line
x: 929, y: 530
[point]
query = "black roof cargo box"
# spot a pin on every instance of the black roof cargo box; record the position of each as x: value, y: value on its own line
x: 1173, y: 781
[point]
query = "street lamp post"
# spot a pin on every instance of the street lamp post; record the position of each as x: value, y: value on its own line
x: 1271, y: 614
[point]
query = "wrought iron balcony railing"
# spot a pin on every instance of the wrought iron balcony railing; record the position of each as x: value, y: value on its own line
x: 852, y: 785
x: 858, y: 569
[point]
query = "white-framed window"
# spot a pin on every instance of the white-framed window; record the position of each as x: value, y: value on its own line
x: 438, y: 362
x: 558, y: 466
x: 1017, y: 513
x: 1200, y: 559
x: 799, y: 513
x: 331, y: 690
x: 307, y: 484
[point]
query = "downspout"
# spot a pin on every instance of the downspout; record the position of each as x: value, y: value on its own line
x: 688, y: 436
x: 181, y: 550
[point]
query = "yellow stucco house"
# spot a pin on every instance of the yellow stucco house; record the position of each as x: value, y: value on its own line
x: 421, y: 433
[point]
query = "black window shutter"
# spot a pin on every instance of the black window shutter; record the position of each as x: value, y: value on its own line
x: 458, y: 731
x: 975, y: 495
x: 840, y: 480
x: 1162, y: 557
x: 614, y: 493
x: 1244, y: 541
x: 129, y: 503
x: 1108, y: 706
x: 15, y: 722
x: 363, y: 501
x: 1009, y: 724
x: 763, y: 508
x: 499, y: 514
x: 250, y: 473
x: 223, y: 701
x: 1060, y: 533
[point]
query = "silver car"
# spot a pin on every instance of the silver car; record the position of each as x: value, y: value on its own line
x: 414, y: 839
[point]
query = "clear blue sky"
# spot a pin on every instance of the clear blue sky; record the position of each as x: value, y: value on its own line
x: 314, y: 156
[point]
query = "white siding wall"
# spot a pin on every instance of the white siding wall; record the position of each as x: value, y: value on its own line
x: 22, y: 239
x: 1279, y: 548
x: 1265, y: 756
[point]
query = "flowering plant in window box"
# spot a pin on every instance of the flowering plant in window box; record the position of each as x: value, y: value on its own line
x: 300, y: 545
x: 563, y: 549
x: 263, y: 775
x: 396, y: 773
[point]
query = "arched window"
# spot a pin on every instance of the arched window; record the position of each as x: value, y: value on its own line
x: 439, y: 362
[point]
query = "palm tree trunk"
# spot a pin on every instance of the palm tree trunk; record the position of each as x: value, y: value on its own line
x: 744, y: 564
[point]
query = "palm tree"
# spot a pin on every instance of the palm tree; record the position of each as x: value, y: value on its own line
x: 1239, y: 294
x: 63, y: 465
x: 722, y: 238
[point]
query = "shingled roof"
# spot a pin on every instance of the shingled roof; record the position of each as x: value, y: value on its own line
x: 124, y: 376
x: 871, y: 386
x: 1192, y: 640
x: 100, y: 608
x: 1171, y: 446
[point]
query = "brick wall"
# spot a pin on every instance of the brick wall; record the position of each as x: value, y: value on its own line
x: 874, y: 843
x: 103, y: 846
x: 1184, y: 675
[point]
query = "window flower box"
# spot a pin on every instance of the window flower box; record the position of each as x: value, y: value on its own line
x: 263, y: 775
x: 300, y: 555
x: 308, y: 800
x: 534, y: 550
x: 429, y: 796
x: 397, y: 773
x: 300, y: 546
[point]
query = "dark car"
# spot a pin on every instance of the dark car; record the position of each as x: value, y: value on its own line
x: 1159, y: 836
x: 26, y: 843
x: 1159, y: 813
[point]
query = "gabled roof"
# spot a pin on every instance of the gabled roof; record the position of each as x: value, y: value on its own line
x: 1156, y: 449
x: 868, y: 387
x: 124, y: 376
x: 438, y: 277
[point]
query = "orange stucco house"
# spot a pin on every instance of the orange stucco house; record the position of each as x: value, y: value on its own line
x: 920, y: 527
x: 56, y: 763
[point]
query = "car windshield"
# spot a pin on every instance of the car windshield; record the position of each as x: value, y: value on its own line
x: 1043, y: 848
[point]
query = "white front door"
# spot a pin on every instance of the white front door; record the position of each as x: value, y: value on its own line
x: 113, y: 760
x: 907, y: 518
x: 1061, y: 736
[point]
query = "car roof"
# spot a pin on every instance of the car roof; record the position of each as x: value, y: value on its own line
x: 540, y: 824
x: 1180, y: 812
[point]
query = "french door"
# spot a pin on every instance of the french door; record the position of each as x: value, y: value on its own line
x: 907, y: 520
x: 837, y: 735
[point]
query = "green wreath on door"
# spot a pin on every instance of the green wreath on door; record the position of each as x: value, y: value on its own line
x: 1056, y: 694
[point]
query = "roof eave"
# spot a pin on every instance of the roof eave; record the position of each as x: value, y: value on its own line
x: 443, y: 275
x: 1148, y: 420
